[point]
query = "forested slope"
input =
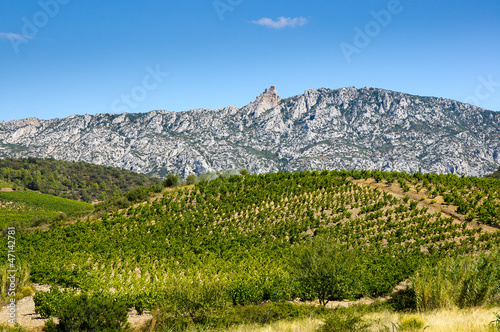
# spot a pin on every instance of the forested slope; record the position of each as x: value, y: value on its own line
x: 74, y: 180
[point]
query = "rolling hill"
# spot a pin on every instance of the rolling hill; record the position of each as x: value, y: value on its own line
x: 244, y: 230
x: 73, y: 180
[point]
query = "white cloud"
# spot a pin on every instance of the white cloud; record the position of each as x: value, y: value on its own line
x: 281, y: 22
x: 10, y: 35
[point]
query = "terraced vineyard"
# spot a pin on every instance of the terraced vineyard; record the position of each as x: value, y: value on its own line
x: 243, y: 232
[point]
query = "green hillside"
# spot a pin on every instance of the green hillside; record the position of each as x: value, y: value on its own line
x: 73, y: 180
x: 252, y: 224
x: 244, y: 234
x: 21, y: 207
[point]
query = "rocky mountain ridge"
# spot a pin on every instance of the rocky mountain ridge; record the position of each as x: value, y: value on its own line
x: 321, y: 129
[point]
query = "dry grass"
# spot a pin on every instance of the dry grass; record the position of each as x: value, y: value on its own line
x: 302, y: 325
x: 467, y: 320
x: 454, y: 320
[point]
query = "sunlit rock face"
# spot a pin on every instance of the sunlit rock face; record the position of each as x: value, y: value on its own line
x: 321, y: 129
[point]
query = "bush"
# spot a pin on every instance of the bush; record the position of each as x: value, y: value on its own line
x: 191, y: 179
x: 50, y: 326
x: 48, y: 304
x: 172, y: 180
x: 190, y: 303
x: 344, y: 320
x: 404, y: 300
x: 225, y: 317
x: 92, y: 313
x: 411, y: 323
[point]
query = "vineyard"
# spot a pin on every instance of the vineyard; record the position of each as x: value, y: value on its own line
x: 20, y: 207
x: 243, y: 233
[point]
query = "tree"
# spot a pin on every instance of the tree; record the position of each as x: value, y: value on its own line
x: 172, y: 180
x: 330, y: 272
x: 244, y: 171
x: 191, y: 179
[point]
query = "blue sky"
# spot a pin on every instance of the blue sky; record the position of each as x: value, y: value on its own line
x: 63, y: 57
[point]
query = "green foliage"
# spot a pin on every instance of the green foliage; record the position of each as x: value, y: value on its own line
x: 192, y: 303
x: 223, y: 318
x: 344, y: 320
x: 30, y: 208
x: 92, y: 313
x: 9, y: 328
x: 404, y: 299
x: 172, y: 180
x: 244, y: 172
x: 78, y: 181
x: 496, y: 174
x: 411, y: 323
x: 191, y: 179
x: 209, y: 176
x: 50, y: 326
x: 328, y: 270
x: 49, y: 304
x: 462, y: 282
x: 247, y: 230
x: 496, y: 322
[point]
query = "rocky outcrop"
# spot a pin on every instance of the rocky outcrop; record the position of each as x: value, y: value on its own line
x: 320, y: 129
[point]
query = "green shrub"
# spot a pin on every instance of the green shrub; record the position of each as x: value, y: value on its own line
x: 190, y: 303
x: 92, y: 313
x: 404, y: 300
x: 50, y: 326
x: 223, y: 318
x: 172, y: 180
x: 411, y: 323
x: 344, y: 320
x: 191, y: 179
x: 48, y: 304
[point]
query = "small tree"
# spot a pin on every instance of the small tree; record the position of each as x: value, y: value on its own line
x: 330, y: 272
x: 191, y: 179
x: 244, y: 171
x: 172, y: 180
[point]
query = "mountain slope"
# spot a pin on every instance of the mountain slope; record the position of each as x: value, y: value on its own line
x: 321, y: 129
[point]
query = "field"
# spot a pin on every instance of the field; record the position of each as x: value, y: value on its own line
x: 240, y: 236
x: 25, y: 206
x: 469, y: 320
